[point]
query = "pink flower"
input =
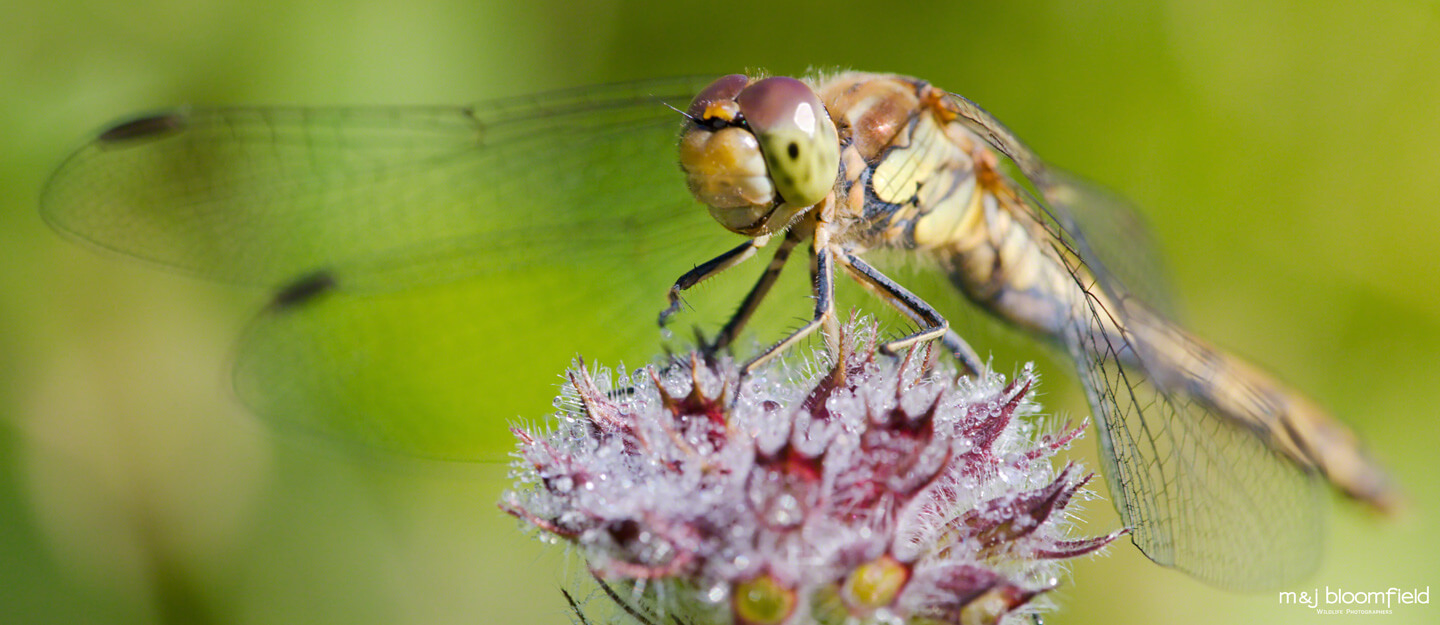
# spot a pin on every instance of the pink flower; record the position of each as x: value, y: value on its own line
x: 873, y: 491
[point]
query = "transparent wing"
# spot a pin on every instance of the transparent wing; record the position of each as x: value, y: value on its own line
x: 1112, y: 236
x: 1103, y: 229
x: 433, y: 264
x: 1203, y: 491
x: 388, y: 197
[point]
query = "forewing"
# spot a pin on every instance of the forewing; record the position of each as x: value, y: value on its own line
x: 1112, y: 237
x: 1102, y: 228
x: 389, y: 197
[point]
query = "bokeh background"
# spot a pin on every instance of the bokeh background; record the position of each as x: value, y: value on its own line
x: 1287, y: 154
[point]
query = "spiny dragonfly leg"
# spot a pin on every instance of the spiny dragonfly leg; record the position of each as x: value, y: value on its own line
x: 822, y: 269
x: 752, y: 300
x: 708, y: 269
x: 932, y: 324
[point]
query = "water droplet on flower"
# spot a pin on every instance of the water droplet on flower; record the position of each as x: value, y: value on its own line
x: 784, y: 511
x: 885, y: 616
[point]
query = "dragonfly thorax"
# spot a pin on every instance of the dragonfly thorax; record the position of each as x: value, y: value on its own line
x: 758, y: 153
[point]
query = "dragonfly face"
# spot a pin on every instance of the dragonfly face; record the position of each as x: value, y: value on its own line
x: 758, y: 153
x: 1207, y: 457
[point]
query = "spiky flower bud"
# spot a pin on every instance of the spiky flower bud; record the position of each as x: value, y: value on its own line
x: 870, y: 491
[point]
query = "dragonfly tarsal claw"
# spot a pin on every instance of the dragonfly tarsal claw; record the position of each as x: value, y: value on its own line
x: 670, y: 310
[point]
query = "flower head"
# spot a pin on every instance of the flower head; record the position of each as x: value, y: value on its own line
x: 874, y: 490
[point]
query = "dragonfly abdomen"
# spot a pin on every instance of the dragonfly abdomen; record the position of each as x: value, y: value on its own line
x: 1286, y: 419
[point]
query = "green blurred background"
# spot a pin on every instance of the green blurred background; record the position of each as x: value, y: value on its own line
x: 1286, y: 153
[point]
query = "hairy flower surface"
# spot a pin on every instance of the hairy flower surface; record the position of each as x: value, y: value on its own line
x: 875, y: 490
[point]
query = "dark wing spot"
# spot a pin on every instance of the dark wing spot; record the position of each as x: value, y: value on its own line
x: 479, y: 125
x: 304, y: 290
x: 144, y: 127
x: 794, y: 150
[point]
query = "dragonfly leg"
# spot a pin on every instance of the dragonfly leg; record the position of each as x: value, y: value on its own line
x: 962, y: 352
x: 752, y: 299
x: 822, y: 269
x: 932, y: 324
x: 708, y: 269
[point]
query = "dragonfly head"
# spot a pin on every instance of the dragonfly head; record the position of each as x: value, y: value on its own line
x: 752, y: 148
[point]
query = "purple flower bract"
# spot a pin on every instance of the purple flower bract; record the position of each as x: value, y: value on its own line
x: 874, y: 490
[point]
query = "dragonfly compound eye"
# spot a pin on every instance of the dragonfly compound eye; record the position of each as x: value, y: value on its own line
x: 796, y: 136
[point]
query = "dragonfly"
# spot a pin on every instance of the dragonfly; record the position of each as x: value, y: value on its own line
x: 1214, y: 465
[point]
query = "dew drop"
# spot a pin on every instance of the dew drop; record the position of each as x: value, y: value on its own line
x: 784, y: 510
